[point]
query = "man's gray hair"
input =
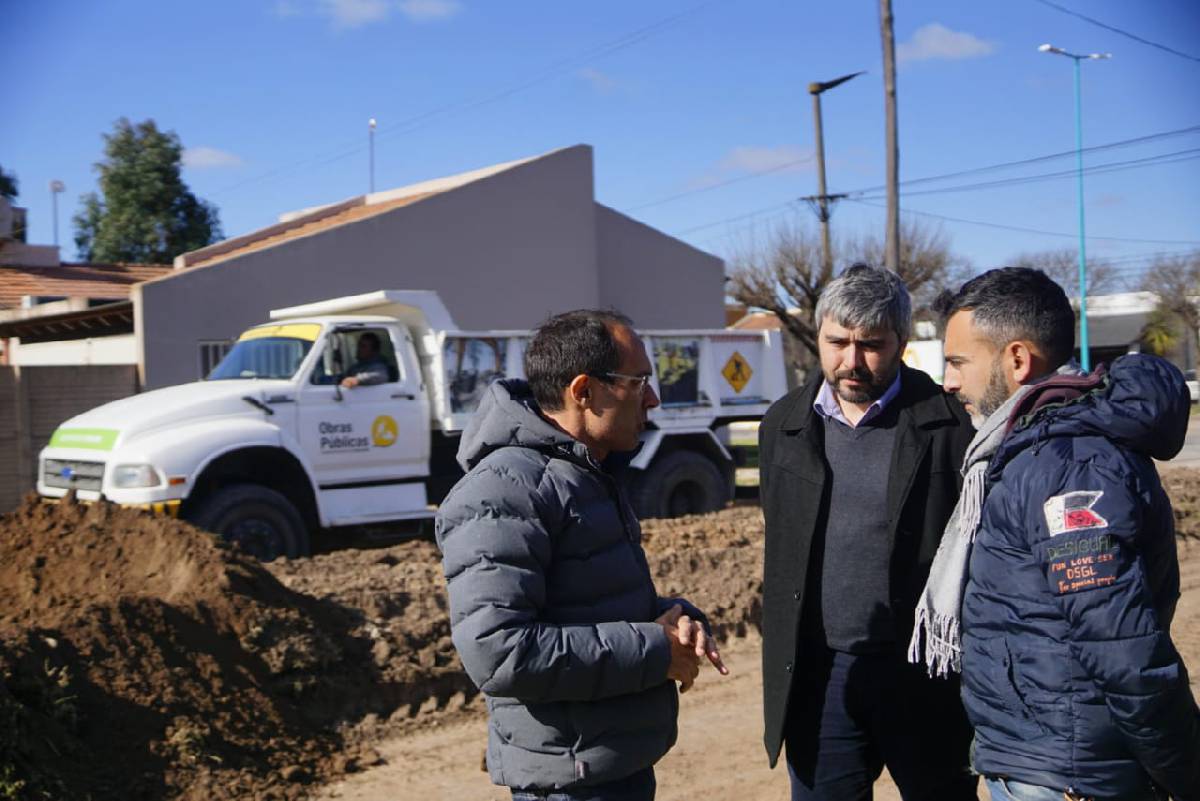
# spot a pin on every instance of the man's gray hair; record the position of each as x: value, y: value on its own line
x: 867, y: 297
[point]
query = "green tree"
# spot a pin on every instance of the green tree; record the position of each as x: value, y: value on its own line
x: 8, y: 185
x: 145, y: 213
x: 1176, y: 282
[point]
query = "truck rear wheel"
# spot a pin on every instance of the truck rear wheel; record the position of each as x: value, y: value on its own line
x: 680, y: 483
x: 259, y: 520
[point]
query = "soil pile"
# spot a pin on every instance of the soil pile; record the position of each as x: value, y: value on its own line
x: 142, y: 658
x: 715, y: 561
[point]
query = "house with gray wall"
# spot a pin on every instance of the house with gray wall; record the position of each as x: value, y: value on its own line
x: 504, y: 246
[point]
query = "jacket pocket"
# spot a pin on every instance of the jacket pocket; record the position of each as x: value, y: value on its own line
x: 1023, y: 707
x: 991, y: 695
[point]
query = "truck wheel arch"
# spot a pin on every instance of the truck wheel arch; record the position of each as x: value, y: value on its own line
x: 686, y: 474
x: 269, y: 466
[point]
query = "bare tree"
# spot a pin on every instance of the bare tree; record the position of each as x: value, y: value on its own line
x: 1176, y: 282
x: 1063, y: 267
x: 785, y: 275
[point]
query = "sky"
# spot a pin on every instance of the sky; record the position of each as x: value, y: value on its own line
x: 698, y: 111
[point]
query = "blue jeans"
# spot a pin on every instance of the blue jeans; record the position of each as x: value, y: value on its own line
x: 635, y: 787
x: 1009, y: 790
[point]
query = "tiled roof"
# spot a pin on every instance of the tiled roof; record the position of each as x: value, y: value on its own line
x: 307, y: 222
x: 269, y: 237
x: 73, y: 280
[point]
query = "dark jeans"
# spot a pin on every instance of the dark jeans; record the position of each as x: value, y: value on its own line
x: 850, y: 715
x: 635, y: 787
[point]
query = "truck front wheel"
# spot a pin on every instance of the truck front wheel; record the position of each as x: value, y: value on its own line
x: 259, y: 520
x: 680, y: 483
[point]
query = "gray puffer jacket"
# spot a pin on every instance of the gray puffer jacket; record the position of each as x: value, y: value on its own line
x: 552, y: 606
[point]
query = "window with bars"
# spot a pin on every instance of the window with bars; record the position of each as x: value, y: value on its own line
x: 211, y: 353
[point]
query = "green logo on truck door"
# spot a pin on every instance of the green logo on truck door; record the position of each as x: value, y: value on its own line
x: 96, y: 439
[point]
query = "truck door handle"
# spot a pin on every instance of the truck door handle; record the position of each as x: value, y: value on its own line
x: 404, y: 395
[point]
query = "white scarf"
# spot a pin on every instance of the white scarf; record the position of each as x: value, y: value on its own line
x: 937, y: 630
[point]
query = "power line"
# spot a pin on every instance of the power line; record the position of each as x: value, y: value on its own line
x: 777, y: 206
x: 420, y: 120
x: 1034, y: 160
x: 1098, y: 169
x: 871, y: 191
x: 1031, y: 230
x: 709, y: 188
x: 1117, y: 30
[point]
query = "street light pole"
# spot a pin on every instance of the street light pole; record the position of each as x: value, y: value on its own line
x: 1084, y: 353
x: 371, y: 152
x: 56, y: 187
x: 820, y: 201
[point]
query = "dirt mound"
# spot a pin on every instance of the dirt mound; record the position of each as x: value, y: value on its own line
x: 142, y: 659
x: 1183, y: 487
x: 156, y: 662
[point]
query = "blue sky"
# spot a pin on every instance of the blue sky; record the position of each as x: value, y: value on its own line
x: 272, y: 99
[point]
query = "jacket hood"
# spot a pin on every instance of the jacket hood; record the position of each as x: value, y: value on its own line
x: 508, y: 416
x: 1140, y: 403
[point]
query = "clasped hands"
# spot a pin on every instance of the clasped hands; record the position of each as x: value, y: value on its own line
x: 689, y: 642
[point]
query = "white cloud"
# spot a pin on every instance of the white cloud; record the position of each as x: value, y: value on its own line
x: 747, y: 158
x: 936, y: 41
x: 355, y: 13
x: 600, y: 82
x: 209, y: 158
x: 429, y: 10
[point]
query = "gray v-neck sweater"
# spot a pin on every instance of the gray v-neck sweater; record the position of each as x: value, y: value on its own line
x: 855, y: 576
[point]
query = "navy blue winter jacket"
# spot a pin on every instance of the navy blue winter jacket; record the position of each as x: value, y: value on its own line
x: 1070, y: 677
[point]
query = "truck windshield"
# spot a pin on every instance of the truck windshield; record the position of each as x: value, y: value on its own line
x: 262, y: 357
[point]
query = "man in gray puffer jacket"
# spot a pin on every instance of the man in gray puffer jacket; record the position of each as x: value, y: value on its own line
x: 552, y: 606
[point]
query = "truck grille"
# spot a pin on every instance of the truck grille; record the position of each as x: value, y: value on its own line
x: 71, y: 474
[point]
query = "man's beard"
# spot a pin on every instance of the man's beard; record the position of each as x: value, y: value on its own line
x: 874, y: 384
x: 994, y: 395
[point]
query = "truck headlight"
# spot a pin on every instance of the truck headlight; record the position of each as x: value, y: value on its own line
x: 131, y: 476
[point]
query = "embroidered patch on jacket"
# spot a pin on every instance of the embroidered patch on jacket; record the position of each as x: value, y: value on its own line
x: 1072, y: 511
x: 1083, y: 563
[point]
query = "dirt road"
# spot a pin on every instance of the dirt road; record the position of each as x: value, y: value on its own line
x: 719, y: 754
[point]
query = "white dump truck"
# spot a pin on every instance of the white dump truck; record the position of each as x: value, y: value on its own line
x: 270, y: 446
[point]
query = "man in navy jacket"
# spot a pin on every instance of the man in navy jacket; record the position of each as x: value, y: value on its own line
x: 1069, y: 674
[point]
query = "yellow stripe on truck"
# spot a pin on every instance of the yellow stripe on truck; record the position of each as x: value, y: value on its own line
x: 168, y: 508
x: 306, y: 331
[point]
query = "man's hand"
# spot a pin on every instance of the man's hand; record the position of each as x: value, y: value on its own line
x: 685, y: 664
x: 349, y: 382
x: 689, y: 642
x: 691, y: 632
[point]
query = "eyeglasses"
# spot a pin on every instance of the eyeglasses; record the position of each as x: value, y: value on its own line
x: 639, y: 382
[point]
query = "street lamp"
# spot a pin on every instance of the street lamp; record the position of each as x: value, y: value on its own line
x: 820, y: 202
x: 1084, y: 356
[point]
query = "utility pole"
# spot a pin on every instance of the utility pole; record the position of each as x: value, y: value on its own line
x: 892, y: 245
x: 821, y: 202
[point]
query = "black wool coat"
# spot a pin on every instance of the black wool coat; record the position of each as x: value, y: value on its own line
x: 932, y: 434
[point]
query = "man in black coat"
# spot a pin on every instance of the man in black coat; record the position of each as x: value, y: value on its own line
x: 859, y: 474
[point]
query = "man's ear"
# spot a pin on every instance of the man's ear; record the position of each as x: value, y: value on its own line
x: 579, y: 391
x: 1021, y: 363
